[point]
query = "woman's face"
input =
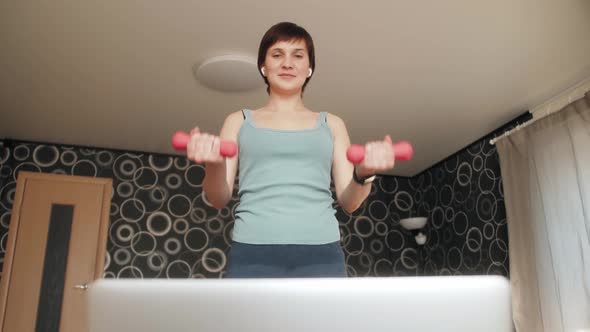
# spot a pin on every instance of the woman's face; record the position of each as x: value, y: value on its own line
x: 286, y: 65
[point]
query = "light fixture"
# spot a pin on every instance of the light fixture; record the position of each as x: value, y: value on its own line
x: 229, y: 73
x: 415, y: 225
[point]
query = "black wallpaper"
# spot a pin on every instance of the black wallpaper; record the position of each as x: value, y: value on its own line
x: 467, y: 230
x: 162, y: 227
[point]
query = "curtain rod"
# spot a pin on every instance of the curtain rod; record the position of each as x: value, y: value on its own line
x: 551, y: 106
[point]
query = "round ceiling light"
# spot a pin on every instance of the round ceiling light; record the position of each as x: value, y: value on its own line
x: 229, y: 73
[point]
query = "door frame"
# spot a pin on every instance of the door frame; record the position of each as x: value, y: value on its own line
x: 23, y: 178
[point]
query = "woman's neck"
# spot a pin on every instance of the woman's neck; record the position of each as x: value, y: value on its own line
x: 284, y: 103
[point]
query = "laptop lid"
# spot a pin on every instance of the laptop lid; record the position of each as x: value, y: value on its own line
x: 450, y: 303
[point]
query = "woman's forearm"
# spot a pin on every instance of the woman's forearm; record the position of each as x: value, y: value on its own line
x: 215, y: 185
x: 354, y: 195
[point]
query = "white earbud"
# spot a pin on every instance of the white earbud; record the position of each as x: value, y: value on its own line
x: 262, y: 71
x: 310, y: 71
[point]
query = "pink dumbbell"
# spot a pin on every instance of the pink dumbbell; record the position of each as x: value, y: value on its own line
x: 227, y: 148
x: 403, y: 151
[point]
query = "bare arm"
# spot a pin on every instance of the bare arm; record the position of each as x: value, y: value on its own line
x: 350, y: 195
x: 220, y: 173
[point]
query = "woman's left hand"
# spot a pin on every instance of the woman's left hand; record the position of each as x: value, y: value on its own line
x: 379, y: 157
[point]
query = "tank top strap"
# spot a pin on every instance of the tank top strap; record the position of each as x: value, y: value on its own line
x: 247, y: 115
x: 322, y: 120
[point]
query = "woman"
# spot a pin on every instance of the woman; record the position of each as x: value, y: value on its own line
x: 285, y: 224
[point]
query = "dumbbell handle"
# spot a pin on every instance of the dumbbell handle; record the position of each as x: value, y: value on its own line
x: 227, y: 148
x: 403, y: 151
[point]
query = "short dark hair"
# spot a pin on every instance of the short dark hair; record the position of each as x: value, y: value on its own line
x: 285, y: 31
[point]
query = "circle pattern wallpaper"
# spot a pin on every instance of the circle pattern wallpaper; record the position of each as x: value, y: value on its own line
x: 162, y: 226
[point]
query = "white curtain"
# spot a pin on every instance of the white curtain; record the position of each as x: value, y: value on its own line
x: 546, y: 176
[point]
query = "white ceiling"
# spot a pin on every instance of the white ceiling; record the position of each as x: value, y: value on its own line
x: 118, y: 74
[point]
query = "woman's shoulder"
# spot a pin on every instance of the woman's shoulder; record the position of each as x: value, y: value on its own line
x: 334, y: 119
x: 232, y: 123
x: 236, y: 116
x: 336, y: 124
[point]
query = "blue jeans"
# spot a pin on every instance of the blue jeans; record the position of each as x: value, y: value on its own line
x: 285, y: 261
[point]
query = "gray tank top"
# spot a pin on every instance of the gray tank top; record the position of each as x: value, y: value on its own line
x: 284, y: 185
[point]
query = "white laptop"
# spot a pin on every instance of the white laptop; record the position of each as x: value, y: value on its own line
x: 434, y: 304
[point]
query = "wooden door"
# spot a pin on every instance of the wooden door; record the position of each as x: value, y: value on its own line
x: 56, y: 244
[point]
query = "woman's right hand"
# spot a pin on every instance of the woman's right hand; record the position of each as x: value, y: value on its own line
x: 203, y: 147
